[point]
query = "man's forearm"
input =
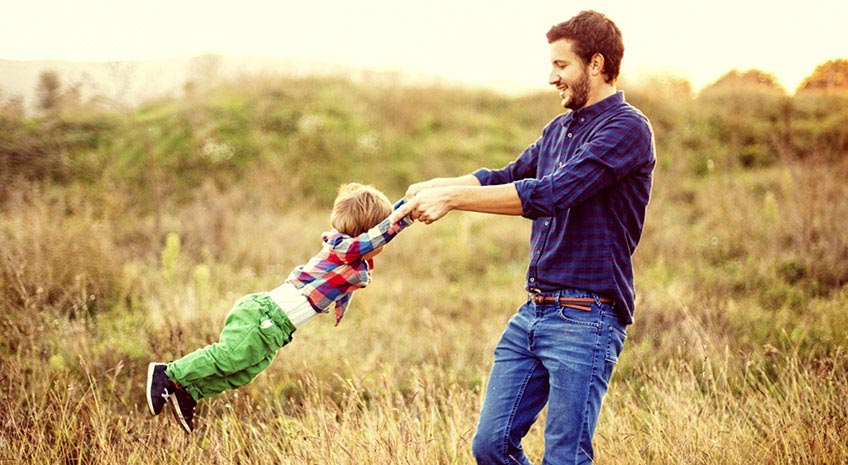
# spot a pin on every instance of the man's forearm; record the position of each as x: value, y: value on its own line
x: 467, y: 180
x: 501, y: 199
x: 431, y: 200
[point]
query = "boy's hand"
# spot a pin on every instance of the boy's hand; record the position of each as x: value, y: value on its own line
x: 398, y: 215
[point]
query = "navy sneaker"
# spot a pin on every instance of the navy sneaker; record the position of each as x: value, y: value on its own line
x: 159, y: 387
x: 182, y: 404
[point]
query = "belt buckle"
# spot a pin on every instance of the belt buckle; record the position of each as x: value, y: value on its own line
x: 536, y: 296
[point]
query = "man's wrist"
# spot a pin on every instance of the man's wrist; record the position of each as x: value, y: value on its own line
x: 442, y: 182
x: 454, y: 196
x: 459, y: 181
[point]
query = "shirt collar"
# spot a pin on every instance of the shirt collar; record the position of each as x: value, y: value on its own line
x: 592, y: 111
x: 332, y: 237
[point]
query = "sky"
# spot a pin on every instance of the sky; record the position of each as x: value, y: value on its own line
x: 480, y: 42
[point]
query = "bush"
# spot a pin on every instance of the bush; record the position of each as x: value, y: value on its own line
x: 820, y: 125
x: 57, y: 259
x: 751, y: 126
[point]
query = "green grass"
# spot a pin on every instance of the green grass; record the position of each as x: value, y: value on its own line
x: 130, y: 241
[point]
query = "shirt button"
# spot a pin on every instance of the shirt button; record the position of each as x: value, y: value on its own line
x: 547, y: 223
x: 569, y: 134
x: 532, y: 280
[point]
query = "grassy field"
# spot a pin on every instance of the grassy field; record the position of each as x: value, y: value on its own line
x: 125, y: 238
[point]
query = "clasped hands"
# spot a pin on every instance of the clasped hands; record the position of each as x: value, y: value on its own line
x: 425, y: 202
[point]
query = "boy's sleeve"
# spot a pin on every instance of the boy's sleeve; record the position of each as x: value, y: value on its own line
x: 350, y: 249
x: 406, y: 220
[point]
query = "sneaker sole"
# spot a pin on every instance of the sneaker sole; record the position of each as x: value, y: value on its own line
x: 175, y: 408
x: 150, y: 368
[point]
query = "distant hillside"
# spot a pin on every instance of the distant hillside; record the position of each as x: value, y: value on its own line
x: 132, y: 82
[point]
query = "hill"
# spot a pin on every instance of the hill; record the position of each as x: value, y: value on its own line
x: 130, y: 83
x: 127, y: 235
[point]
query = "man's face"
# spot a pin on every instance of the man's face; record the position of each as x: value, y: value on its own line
x: 569, y: 75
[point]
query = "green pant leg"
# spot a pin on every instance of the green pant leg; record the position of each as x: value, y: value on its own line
x: 214, y: 385
x: 253, y: 331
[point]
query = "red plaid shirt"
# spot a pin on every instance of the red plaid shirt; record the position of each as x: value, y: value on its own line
x: 331, y: 276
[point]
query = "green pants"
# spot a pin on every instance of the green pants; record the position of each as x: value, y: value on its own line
x: 253, y: 331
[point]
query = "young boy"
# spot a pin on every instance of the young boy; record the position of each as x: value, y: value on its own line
x: 261, y: 323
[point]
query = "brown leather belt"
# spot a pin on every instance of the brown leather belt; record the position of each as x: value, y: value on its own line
x: 577, y: 303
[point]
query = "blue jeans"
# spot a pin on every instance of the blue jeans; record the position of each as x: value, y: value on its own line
x: 552, y: 355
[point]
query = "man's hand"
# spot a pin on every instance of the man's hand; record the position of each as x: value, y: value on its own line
x: 414, y: 189
x: 427, y: 205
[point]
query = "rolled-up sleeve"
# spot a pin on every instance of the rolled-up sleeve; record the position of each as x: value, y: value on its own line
x: 616, y: 152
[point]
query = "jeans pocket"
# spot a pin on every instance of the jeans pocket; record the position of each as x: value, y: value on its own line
x: 580, y: 317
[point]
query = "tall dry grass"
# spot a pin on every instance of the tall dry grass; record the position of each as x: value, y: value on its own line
x: 713, y: 372
x: 737, y: 355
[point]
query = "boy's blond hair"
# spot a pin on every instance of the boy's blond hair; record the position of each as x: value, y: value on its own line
x: 358, y: 208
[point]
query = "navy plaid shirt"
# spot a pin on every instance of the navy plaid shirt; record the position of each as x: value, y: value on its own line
x: 585, y: 183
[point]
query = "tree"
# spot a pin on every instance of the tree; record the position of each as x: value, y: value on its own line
x: 753, y: 79
x: 12, y: 107
x: 49, y: 91
x: 830, y: 75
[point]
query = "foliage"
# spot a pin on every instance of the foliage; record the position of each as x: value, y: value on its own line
x: 54, y: 96
x: 49, y: 90
x: 830, y: 75
x: 819, y: 125
x: 126, y: 237
x: 753, y: 79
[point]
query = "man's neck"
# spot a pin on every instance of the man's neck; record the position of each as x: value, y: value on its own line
x: 601, y: 92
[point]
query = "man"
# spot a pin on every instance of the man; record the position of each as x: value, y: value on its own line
x: 585, y: 183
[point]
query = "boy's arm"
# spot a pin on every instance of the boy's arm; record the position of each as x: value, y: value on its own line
x: 349, y: 249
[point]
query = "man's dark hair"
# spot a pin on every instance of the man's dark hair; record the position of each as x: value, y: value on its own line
x: 591, y: 32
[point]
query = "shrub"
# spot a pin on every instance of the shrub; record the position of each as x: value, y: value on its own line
x: 56, y: 259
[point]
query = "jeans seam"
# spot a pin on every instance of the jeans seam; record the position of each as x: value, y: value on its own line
x: 584, y: 426
x: 620, y: 330
x: 518, y: 398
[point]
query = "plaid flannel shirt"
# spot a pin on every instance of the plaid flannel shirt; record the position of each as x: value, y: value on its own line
x: 585, y: 184
x: 330, y: 277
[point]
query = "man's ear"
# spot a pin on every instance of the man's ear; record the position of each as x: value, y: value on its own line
x: 596, y: 64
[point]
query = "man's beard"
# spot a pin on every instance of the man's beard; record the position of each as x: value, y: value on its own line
x: 579, y: 92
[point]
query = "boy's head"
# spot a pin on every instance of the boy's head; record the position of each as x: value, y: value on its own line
x: 359, y: 208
